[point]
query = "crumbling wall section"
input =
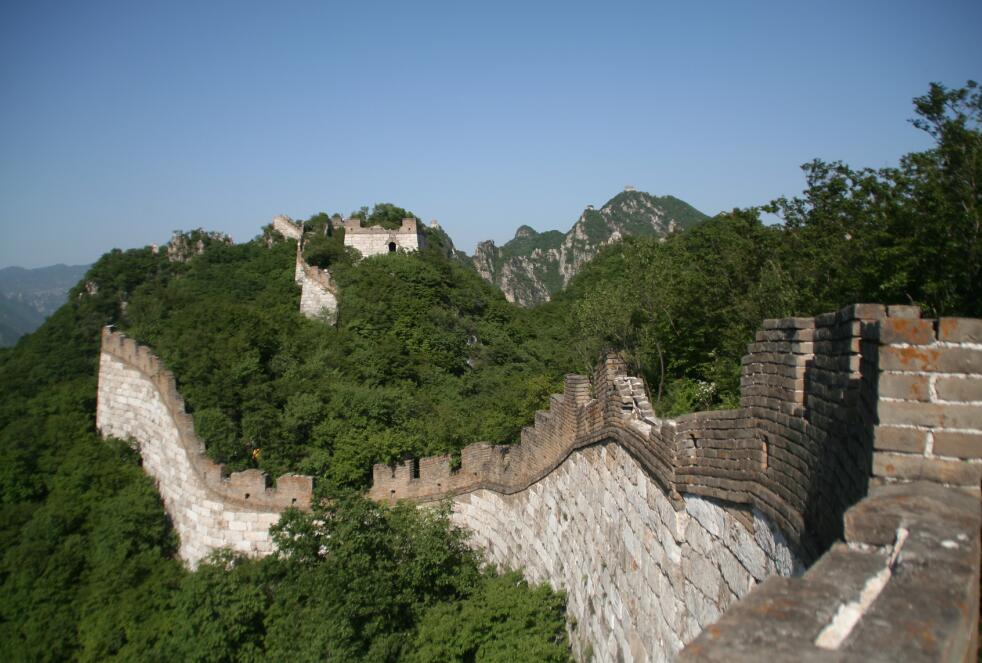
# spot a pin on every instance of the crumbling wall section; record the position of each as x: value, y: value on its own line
x: 903, y: 586
x: 287, y: 227
x: 318, y: 292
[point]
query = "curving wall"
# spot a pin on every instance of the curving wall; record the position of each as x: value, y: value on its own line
x: 643, y: 575
x: 831, y: 407
x: 138, y: 401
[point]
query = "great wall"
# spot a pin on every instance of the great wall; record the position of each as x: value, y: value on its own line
x: 834, y: 516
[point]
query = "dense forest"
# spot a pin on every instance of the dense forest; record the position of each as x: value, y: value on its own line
x: 426, y: 358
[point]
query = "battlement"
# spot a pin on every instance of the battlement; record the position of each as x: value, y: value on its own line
x: 247, y: 488
x: 354, y: 226
x: 817, y: 393
x: 853, y: 426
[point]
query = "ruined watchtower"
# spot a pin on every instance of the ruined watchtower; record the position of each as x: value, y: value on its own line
x: 376, y: 240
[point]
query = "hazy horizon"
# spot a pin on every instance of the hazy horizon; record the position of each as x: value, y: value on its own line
x: 125, y: 122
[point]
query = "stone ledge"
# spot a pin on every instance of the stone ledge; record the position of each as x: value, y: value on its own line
x: 927, y: 611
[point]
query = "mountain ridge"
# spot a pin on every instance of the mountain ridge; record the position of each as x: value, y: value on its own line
x: 532, y: 266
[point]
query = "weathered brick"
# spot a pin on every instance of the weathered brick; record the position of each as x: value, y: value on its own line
x: 959, y: 389
x: 903, y: 311
x: 962, y: 445
x: 913, y: 468
x: 931, y: 358
x: 862, y: 312
x: 891, y: 438
x: 907, y: 387
x: 933, y: 415
x: 960, y: 330
x: 905, y: 330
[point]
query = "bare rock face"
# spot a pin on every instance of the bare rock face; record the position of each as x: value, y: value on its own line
x: 533, y: 266
x: 184, y: 246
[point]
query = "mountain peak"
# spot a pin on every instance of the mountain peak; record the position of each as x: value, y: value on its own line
x: 530, y: 271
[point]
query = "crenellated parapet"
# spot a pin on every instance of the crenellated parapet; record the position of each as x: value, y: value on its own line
x: 801, y: 446
x: 138, y: 400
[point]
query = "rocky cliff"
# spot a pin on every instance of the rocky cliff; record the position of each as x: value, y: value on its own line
x: 533, y: 266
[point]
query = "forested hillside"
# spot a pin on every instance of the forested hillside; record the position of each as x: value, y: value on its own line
x: 87, y: 566
x: 426, y: 358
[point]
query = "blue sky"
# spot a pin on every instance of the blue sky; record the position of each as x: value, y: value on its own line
x: 121, y: 121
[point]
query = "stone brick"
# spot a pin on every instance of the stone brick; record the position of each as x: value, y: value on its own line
x: 907, y: 387
x: 906, y: 330
x: 959, y: 389
x: 890, y: 438
x: 903, y: 311
x: 933, y: 415
x: 915, y: 468
x: 960, y: 330
x: 862, y: 312
x: 962, y: 445
x: 931, y: 358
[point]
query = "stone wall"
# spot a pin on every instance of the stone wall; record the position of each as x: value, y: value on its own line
x: 318, y: 292
x: 818, y: 394
x: 138, y: 401
x: 929, y: 413
x: 643, y: 575
x: 375, y: 240
x: 287, y: 227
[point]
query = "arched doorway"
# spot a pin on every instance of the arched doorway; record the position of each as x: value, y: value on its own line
x: 392, y: 247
